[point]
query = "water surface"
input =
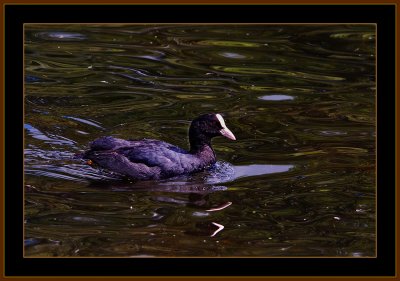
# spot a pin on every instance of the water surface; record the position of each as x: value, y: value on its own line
x: 299, y: 180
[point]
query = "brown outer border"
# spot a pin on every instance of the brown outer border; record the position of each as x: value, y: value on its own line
x: 285, y: 2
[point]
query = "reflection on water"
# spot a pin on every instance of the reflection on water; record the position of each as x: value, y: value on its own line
x: 299, y: 180
x: 225, y: 172
x: 276, y: 97
x: 61, y: 36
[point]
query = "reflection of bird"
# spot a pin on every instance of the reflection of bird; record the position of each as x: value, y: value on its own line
x: 153, y: 159
x: 220, y: 227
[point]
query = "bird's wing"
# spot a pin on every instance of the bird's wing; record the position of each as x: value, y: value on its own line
x: 118, y: 163
x: 169, y: 158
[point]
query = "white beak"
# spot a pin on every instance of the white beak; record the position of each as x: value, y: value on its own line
x: 227, y: 133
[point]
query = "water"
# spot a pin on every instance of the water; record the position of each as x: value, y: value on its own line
x: 299, y: 180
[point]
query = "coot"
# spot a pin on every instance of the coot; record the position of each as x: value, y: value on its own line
x: 147, y: 159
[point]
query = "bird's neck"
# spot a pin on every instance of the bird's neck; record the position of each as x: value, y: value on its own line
x: 201, y: 145
x: 204, y: 152
x: 197, y: 144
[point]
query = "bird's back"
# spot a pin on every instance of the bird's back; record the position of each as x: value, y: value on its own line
x: 144, y: 159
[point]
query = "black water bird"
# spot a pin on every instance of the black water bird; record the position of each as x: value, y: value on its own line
x: 147, y: 159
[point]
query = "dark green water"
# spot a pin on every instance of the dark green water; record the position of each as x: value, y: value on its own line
x: 299, y: 180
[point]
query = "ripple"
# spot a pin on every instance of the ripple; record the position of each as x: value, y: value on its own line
x: 350, y: 150
x: 276, y: 89
x: 232, y: 55
x: 50, y: 138
x: 61, y: 36
x: 85, y: 121
x: 34, y: 79
x: 71, y: 172
x: 49, y: 174
x: 31, y: 242
x: 85, y: 219
x: 200, y: 214
x: 332, y: 133
x: 229, y: 43
x: 45, y: 155
x: 353, y: 36
x: 276, y: 97
x: 61, y: 165
x: 244, y: 55
x: 271, y: 71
